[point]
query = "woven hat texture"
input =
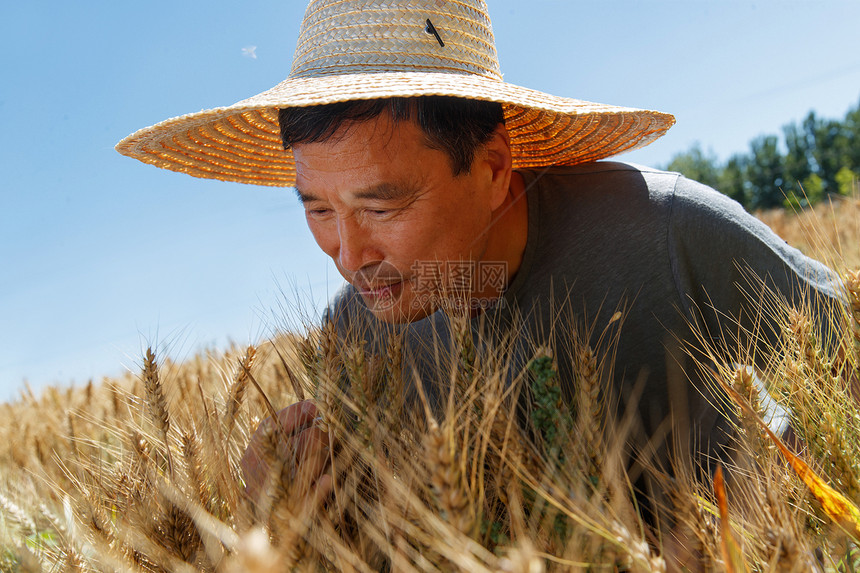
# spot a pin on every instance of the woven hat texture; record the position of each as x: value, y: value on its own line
x: 366, y: 49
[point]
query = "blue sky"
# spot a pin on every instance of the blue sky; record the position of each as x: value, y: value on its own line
x: 102, y: 255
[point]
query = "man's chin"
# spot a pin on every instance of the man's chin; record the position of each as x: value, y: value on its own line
x: 402, y: 310
x: 397, y: 314
x: 392, y: 316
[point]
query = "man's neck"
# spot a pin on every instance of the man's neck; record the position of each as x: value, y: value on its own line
x: 508, y: 236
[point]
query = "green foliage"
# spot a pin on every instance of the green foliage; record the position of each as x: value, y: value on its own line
x: 732, y: 181
x: 846, y: 181
x: 851, y: 128
x: 816, y: 157
x: 548, y: 414
x: 495, y: 532
x: 811, y: 192
x: 696, y: 165
x: 798, y: 159
x: 765, y: 173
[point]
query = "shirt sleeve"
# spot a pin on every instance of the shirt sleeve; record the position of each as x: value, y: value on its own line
x: 731, y: 270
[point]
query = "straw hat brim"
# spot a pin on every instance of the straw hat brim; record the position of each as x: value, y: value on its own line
x: 242, y: 142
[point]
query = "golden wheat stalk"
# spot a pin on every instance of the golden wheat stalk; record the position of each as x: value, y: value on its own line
x: 156, y: 404
x: 237, y: 389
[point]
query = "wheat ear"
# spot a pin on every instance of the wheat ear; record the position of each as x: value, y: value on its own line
x: 196, y: 472
x: 744, y: 382
x: 294, y: 382
x: 156, y: 403
x: 589, y: 411
x: 852, y: 290
x: 448, y: 483
x: 237, y: 389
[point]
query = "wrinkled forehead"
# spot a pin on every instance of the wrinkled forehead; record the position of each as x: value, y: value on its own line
x: 369, y: 153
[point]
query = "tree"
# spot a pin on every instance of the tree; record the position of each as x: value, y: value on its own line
x: 732, y: 179
x: 822, y: 156
x: 830, y: 149
x: 695, y: 165
x: 797, y: 161
x: 764, y: 172
x: 847, y: 181
x: 851, y: 131
x: 811, y: 192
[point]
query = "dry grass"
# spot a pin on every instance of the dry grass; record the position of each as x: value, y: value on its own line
x: 829, y: 233
x: 142, y: 473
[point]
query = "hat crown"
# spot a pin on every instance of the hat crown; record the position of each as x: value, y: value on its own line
x: 364, y: 36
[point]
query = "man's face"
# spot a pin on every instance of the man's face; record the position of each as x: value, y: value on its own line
x: 388, y: 210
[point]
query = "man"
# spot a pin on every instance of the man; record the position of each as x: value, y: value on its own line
x: 436, y: 187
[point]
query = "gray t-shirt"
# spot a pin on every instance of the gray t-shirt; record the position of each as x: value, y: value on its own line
x: 665, y: 251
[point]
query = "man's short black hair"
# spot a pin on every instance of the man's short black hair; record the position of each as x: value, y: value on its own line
x: 456, y: 126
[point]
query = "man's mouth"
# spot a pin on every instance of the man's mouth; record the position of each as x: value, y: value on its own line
x: 381, y: 291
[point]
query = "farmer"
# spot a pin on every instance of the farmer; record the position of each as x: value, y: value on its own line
x: 438, y: 189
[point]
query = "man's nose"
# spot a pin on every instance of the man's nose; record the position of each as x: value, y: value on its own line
x: 354, y: 250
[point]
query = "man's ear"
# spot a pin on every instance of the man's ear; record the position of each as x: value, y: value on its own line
x: 497, y: 155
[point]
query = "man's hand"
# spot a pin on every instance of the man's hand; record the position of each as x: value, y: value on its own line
x: 299, y: 443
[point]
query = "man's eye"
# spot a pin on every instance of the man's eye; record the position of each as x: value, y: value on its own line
x: 318, y: 212
x: 382, y: 212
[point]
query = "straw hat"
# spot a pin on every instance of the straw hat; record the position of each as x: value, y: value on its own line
x: 366, y: 49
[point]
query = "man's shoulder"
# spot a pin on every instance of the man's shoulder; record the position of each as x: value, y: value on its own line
x: 627, y: 186
x: 601, y: 193
x: 606, y: 181
x: 608, y: 170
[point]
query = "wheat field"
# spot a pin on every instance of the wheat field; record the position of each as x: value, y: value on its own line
x: 141, y: 473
